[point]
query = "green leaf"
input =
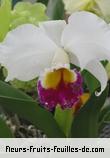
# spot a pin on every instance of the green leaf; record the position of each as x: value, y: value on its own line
x: 55, y: 9
x: 25, y: 12
x: 104, y: 116
x: 10, y: 92
x: 104, y: 112
x: 108, y: 69
x: 64, y: 118
x: 5, y: 132
x: 91, y: 82
x: 1, y: 74
x: 85, y: 124
x: 17, y: 102
x: 5, y: 17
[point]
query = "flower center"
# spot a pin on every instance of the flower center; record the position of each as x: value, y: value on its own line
x: 54, y: 78
x: 60, y: 85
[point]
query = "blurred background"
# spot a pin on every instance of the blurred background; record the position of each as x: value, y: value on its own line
x: 55, y: 8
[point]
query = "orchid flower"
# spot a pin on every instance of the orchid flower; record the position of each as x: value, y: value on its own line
x: 47, y: 51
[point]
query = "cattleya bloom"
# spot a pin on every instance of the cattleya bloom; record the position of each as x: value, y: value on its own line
x: 47, y: 51
x: 99, y: 7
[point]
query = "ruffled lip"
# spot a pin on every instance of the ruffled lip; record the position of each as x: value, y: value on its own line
x: 66, y: 95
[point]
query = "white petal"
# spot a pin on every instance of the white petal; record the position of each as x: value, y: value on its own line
x: 86, y: 27
x: 97, y: 69
x: 53, y: 29
x: 27, y: 51
x: 85, y: 52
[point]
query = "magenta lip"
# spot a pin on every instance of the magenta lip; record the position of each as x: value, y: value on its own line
x: 66, y: 95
